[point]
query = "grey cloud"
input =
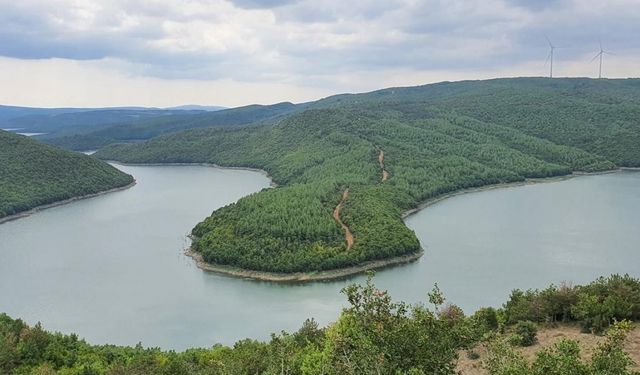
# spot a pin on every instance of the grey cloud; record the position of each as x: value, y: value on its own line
x: 314, y: 38
x: 536, y: 5
x: 261, y: 4
x: 328, y: 11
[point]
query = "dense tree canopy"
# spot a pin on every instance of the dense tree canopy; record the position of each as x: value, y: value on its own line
x: 33, y: 174
x: 436, y: 139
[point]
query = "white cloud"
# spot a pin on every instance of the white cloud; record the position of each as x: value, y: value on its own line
x: 61, y: 82
x: 318, y: 46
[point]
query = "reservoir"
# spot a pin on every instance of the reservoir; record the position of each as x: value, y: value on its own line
x: 28, y: 134
x: 112, y: 269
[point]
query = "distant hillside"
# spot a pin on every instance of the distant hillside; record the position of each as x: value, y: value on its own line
x: 361, y: 160
x: 195, y: 107
x: 33, y: 174
x: 87, y: 121
x: 77, y: 139
x: 9, y: 113
x: 600, y: 116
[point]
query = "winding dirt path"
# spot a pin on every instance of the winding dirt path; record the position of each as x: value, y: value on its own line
x: 348, y: 236
x: 385, y: 174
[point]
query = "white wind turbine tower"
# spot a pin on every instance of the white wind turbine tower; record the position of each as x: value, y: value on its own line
x: 600, y: 54
x: 550, y: 56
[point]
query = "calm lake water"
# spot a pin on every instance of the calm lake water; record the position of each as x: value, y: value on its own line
x: 111, y: 268
x: 15, y: 130
x: 31, y: 134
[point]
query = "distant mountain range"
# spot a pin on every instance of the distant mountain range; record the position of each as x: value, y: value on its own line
x: 195, y: 107
x: 62, y: 122
x: 51, y: 119
x: 95, y: 128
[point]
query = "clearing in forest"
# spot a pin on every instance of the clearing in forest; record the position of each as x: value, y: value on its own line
x: 385, y: 174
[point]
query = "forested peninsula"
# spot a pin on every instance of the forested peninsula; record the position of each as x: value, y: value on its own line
x: 33, y: 175
x: 373, y: 156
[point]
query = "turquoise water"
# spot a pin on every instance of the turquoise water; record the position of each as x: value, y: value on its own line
x: 111, y: 268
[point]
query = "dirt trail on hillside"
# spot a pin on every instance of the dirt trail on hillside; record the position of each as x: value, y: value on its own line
x: 336, y: 216
x: 385, y: 174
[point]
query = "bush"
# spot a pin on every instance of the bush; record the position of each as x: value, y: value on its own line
x: 501, y: 359
x: 595, y: 305
x: 451, y: 314
x: 610, y: 357
x: 527, y: 332
x: 606, y: 300
x: 560, y: 359
x: 564, y: 357
x: 486, y: 319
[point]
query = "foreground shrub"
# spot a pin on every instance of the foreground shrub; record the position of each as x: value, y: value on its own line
x: 607, y: 299
x: 527, y: 332
x: 595, y: 305
x: 564, y: 357
x: 373, y: 335
x: 486, y: 319
x: 378, y: 336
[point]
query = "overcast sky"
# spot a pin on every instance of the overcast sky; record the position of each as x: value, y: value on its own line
x: 230, y: 53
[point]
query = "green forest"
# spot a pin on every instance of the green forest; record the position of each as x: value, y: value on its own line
x: 33, y: 174
x: 372, y: 335
x: 436, y: 139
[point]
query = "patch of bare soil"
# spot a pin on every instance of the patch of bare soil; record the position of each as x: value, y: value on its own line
x: 385, y: 174
x: 336, y: 216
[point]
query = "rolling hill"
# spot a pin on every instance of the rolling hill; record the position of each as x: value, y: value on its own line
x: 96, y: 137
x: 378, y: 154
x: 33, y: 174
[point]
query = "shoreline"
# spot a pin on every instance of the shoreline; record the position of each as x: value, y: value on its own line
x: 211, y: 165
x: 300, y: 277
x: 36, y: 209
x: 529, y: 181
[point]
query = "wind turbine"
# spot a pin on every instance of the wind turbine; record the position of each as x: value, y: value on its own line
x: 550, y: 56
x: 600, y: 54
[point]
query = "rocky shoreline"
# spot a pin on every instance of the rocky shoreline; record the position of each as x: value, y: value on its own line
x: 296, y: 277
x: 60, y: 203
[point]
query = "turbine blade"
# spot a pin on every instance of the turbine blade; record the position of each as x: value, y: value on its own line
x: 548, y: 41
x: 547, y: 60
x: 596, y: 56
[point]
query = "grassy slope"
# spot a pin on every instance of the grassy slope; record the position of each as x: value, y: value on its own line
x: 436, y: 138
x: 33, y: 174
x: 547, y: 337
